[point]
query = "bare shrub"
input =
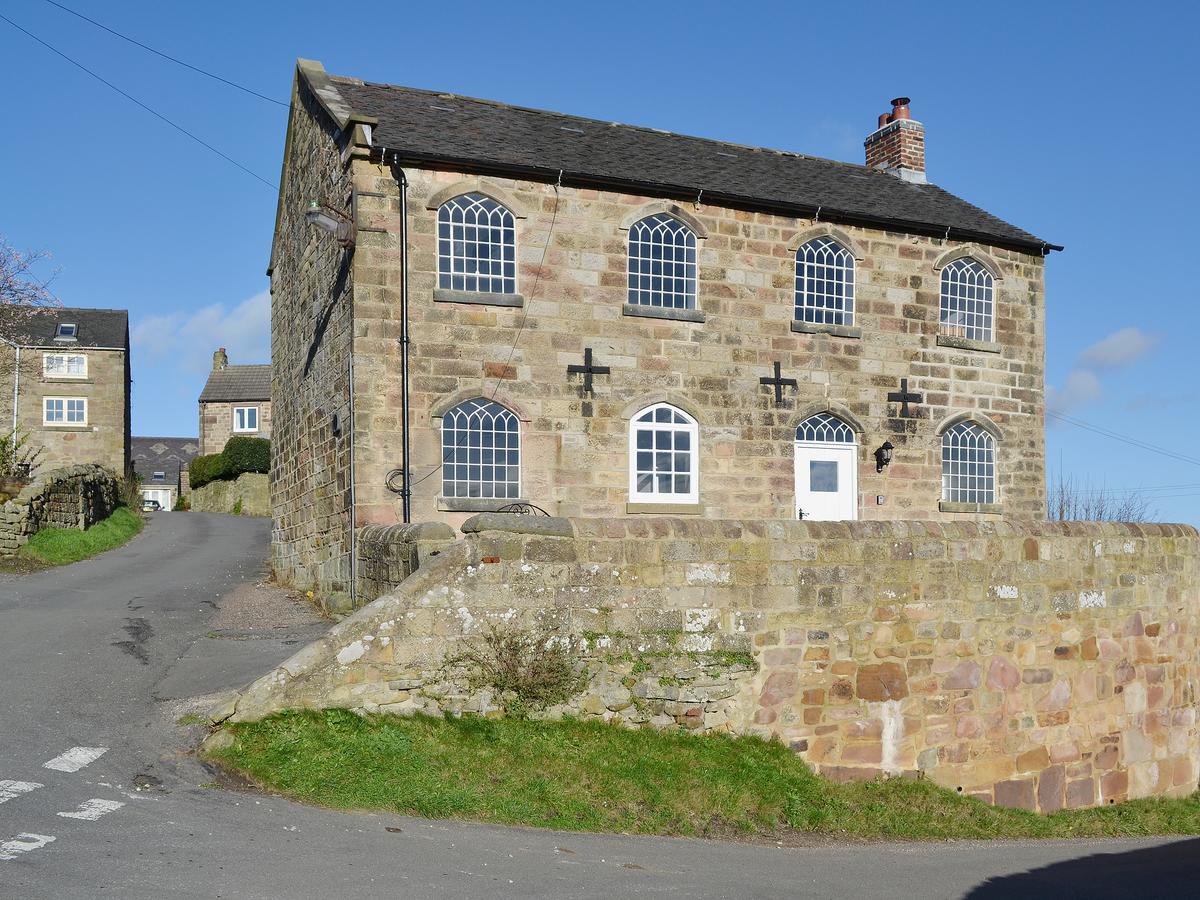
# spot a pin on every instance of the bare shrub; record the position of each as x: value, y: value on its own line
x: 1072, y: 501
x: 528, y: 670
x: 17, y: 458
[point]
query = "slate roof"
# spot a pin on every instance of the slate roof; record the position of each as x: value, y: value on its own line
x: 480, y: 135
x: 95, y: 327
x: 234, y: 383
x: 168, y: 455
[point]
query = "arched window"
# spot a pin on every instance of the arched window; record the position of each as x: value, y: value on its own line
x: 476, y: 246
x: 966, y: 306
x: 968, y: 464
x: 824, y: 283
x: 824, y: 428
x: 481, y: 451
x: 662, y: 263
x: 664, y: 456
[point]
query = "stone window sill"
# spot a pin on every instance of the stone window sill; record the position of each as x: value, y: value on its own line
x: 441, y: 295
x: 473, y: 504
x: 53, y: 427
x: 846, y: 331
x: 663, y: 312
x: 990, y: 509
x: 664, y: 509
x: 961, y: 343
x: 67, y: 379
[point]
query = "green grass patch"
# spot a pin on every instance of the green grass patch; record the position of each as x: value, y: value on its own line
x: 588, y: 776
x: 59, y: 546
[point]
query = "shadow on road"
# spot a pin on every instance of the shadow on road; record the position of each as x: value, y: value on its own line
x: 1170, y: 870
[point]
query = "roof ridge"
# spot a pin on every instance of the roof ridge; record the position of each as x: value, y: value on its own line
x: 499, y: 104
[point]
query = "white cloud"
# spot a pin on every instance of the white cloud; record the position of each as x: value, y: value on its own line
x: 1081, y: 388
x: 1118, y: 349
x: 187, y: 341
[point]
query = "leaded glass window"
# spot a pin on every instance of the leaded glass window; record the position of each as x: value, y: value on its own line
x: 476, y: 246
x: 968, y: 464
x: 664, y: 456
x: 824, y: 283
x: 481, y: 451
x: 824, y: 428
x: 966, y: 305
x: 662, y: 263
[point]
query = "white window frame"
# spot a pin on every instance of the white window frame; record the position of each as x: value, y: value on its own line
x: 692, y: 428
x: 463, y: 429
x: 244, y: 429
x: 66, y: 361
x: 816, y: 303
x: 967, y: 300
x: 460, y: 271
x: 66, y: 402
x: 968, y: 444
x: 670, y: 236
x: 66, y: 331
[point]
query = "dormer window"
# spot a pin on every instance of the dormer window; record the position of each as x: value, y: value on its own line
x: 160, y: 476
x: 66, y: 331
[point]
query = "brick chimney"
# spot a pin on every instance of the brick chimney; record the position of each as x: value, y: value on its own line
x: 220, y: 359
x: 898, y: 144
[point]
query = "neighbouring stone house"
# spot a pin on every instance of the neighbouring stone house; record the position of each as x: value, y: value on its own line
x: 65, y: 381
x: 162, y: 465
x: 235, y: 400
x: 612, y: 320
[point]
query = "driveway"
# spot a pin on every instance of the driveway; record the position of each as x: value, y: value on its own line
x: 100, y: 797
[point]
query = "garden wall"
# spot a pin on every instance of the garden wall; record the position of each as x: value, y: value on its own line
x: 250, y: 488
x: 1038, y: 665
x: 72, y: 497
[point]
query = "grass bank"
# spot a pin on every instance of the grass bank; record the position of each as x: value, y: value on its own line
x: 59, y: 546
x: 594, y: 777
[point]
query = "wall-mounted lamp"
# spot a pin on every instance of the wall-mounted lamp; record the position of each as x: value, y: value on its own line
x: 883, y: 456
x: 331, y: 220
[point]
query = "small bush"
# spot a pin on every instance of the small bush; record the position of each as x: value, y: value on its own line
x: 247, y: 454
x: 130, y: 490
x: 527, y: 670
x: 210, y: 467
x: 17, y: 458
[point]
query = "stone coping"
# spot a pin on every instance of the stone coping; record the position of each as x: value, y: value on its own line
x: 416, y: 531
x: 516, y: 523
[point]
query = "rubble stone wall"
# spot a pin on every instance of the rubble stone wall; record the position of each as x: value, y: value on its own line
x: 1038, y: 665
x: 74, y: 497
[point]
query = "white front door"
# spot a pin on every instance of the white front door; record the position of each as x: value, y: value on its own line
x: 826, y: 481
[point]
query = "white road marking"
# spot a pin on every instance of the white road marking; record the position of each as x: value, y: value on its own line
x: 91, y: 810
x: 11, y: 789
x: 23, y: 843
x: 75, y: 759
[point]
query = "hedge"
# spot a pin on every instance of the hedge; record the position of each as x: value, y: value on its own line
x: 241, y: 454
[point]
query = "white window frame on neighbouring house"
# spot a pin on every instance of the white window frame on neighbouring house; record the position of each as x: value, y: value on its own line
x: 481, y: 451
x: 245, y: 428
x: 60, y: 365
x: 658, y: 436
x: 477, y: 245
x: 64, y: 412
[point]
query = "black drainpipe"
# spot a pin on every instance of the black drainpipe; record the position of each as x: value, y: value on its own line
x: 405, y: 480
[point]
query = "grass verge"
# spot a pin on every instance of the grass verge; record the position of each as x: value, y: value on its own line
x: 59, y: 546
x: 587, y: 776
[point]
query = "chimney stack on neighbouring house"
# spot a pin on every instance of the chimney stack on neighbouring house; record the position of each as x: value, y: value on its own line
x: 220, y: 360
x: 898, y: 144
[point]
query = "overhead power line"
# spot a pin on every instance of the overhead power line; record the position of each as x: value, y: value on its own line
x: 167, y: 56
x: 1124, y: 438
x: 133, y: 99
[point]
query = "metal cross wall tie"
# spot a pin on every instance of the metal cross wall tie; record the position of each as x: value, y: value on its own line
x: 903, y: 397
x: 778, y: 383
x: 587, y: 370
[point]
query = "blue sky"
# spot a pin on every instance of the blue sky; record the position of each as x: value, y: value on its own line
x: 1075, y: 121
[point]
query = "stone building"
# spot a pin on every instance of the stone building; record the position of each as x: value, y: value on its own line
x: 162, y: 465
x: 235, y: 400
x: 68, y: 371
x: 475, y: 304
